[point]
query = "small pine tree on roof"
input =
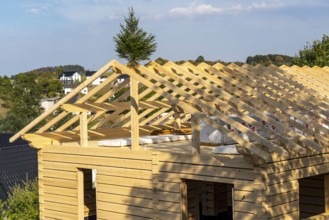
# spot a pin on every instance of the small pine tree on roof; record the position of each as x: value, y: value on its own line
x: 132, y: 42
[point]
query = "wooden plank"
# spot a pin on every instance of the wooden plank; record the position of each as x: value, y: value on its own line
x: 47, y: 181
x: 120, y: 199
x: 195, y: 121
x: 99, y: 161
x: 105, y: 215
x: 83, y: 129
x: 125, y: 190
x: 125, y: 209
x: 99, y: 152
x: 113, y: 106
x: 59, y: 174
x: 55, y: 190
x: 59, y: 214
x: 283, y: 198
x: 282, y: 188
x: 134, y: 107
x: 298, y: 173
x: 72, y: 209
x: 216, y: 160
x: 94, y: 134
x: 218, y: 171
x: 121, y: 181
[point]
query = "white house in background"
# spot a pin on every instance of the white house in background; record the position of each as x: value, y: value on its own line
x: 70, y: 77
x: 67, y: 88
x: 48, y: 102
x: 97, y: 81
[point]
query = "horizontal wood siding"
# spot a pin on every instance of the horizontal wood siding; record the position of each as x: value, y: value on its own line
x: 230, y: 169
x: 135, y: 185
x: 285, y: 185
x: 123, y: 182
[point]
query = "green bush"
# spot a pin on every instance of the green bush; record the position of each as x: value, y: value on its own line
x: 23, y: 203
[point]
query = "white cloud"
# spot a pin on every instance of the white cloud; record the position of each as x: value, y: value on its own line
x: 37, y: 8
x: 198, y: 8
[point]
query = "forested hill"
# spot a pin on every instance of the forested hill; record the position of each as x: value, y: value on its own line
x: 265, y: 60
x: 276, y: 59
x: 57, y: 70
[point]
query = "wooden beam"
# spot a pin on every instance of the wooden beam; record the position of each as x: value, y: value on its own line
x: 53, y: 138
x: 83, y: 129
x: 195, y: 122
x: 100, y: 107
x: 134, y: 114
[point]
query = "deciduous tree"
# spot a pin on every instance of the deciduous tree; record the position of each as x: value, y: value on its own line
x: 315, y: 54
x: 23, y: 202
x: 23, y: 102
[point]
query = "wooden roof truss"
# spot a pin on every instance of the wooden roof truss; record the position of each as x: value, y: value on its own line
x: 288, y: 104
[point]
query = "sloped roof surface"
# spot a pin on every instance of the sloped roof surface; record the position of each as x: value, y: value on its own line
x: 288, y: 104
x: 17, y: 162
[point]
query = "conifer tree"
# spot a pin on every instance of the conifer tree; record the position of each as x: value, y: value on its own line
x: 132, y: 42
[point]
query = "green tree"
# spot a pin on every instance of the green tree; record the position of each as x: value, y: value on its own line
x: 161, y: 60
x: 315, y: 54
x: 22, y: 203
x: 2, y: 210
x: 200, y: 59
x: 132, y: 43
x: 5, y: 87
x: 23, y: 102
x: 49, y: 84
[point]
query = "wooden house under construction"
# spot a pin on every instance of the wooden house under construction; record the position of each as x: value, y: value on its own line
x: 187, y: 142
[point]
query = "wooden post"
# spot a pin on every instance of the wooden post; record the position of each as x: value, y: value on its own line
x: 326, y: 193
x: 83, y: 129
x: 134, y: 114
x: 183, y: 191
x: 177, y: 124
x: 195, y: 123
x: 81, y: 203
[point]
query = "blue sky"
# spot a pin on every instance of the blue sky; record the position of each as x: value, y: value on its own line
x: 39, y: 33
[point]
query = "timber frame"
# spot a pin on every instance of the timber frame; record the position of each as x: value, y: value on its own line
x: 288, y: 104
